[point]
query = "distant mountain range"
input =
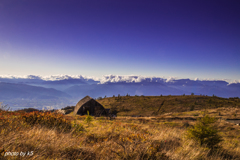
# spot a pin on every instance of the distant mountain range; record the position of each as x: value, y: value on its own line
x: 24, y: 91
x: 71, y: 89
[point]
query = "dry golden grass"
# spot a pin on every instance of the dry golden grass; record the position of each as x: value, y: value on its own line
x: 151, y: 105
x: 115, y: 139
x: 158, y: 136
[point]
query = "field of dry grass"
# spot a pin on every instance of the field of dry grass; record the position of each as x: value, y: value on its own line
x: 114, y: 139
x: 154, y: 137
x: 152, y: 105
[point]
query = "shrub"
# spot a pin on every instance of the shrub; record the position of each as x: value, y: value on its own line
x: 114, y: 110
x: 192, y: 94
x: 171, y: 124
x: 77, y: 128
x: 4, y: 107
x: 47, y: 119
x: 89, y: 118
x: 192, y: 108
x: 101, y: 119
x: 205, y: 132
x: 99, y: 98
x: 8, y: 122
x: 186, y: 124
x: 234, y: 114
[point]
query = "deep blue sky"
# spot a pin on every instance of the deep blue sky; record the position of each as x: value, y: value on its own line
x: 185, y: 39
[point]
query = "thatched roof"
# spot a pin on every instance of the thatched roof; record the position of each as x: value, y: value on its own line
x: 84, y: 100
x: 88, y: 105
x: 81, y: 102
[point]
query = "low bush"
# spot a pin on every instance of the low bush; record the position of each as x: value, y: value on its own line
x: 88, y: 119
x: 192, y: 108
x: 50, y: 120
x: 99, y: 98
x: 195, y: 114
x: 205, y: 132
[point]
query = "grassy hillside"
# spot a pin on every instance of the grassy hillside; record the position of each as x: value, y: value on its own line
x: 158, y: 105
x: 162, y: 135
x: 53, y: 136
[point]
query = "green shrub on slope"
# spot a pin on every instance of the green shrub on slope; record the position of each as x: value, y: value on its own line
x: 205, y: 132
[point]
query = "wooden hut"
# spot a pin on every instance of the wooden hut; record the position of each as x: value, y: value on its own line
x: 89, y: 104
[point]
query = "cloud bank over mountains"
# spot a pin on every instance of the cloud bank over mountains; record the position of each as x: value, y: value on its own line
x: 63, y: 90
x: 47, y: 78
x: 106, y: 78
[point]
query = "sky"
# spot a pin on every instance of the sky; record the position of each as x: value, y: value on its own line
x: 185, y: 39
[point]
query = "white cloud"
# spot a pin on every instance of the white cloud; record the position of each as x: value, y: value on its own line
x: 49, y: 78
x: 14, y: 76
x: 112, y: 78
x: 124, y: 78
x: 196, y: 79
x: 171, y: 79
x: 235, y: 81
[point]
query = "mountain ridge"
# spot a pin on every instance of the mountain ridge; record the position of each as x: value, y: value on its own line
x: 71, y: 90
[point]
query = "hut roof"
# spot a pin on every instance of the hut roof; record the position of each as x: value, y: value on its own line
x: 84, y: 100
x: 81, y: 102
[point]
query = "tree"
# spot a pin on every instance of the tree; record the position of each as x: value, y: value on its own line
x: 113, y: 111
x: 205, y: 132
x: 4, y: 107
x: 99, y: 98
x: 192, y: 107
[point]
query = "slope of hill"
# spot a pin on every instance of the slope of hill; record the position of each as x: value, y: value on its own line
x: 157, y: 105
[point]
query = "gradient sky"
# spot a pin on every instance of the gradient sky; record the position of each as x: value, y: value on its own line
x: 185, y: 39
